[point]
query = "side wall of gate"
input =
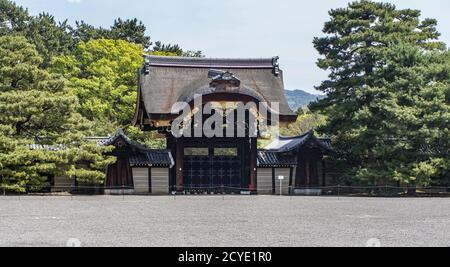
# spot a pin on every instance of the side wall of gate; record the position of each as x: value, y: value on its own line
x: 265, y: 181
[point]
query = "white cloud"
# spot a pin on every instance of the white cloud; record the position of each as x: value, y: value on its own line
x: 74, y: 1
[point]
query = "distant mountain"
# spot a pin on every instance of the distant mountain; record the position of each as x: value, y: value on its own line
x: 300, y: 99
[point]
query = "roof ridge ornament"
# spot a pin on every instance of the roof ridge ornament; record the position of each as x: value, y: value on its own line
x: 276, y: 65
x: 223, y: 79
x: 146, y: 64
x: 308, y: 134
x: 120, y: 139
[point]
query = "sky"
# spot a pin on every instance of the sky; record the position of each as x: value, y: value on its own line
x: 234, y: 28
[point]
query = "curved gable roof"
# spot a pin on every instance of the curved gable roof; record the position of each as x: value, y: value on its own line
x: 120, y: 135
x: 167, y: 80
x: 268, y: 159
x: 286, y: 144
x: 142, y: 156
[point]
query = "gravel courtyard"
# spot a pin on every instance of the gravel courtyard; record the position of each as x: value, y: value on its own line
x: 223, y: 221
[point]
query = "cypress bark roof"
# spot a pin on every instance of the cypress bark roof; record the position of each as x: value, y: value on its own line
x: 167, y: 80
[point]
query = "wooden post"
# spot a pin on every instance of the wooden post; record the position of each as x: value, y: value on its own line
x: 412, y: 191
x: 172, y: 147
x: 253, y: 164
x: 324, y: 175
x: 307, y: 174
x: 301, y: 180
x: 291, y: 186
x: 179, y: 165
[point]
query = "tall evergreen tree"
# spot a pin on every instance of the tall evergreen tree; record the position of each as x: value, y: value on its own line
x: 85, y: 32
x: 49, y: 36
x: 36, y: 114
x: 408, y: 118
x: 173, y: 50
x: 13, y: 19
x: 130, y: 30
x: 369, y: 113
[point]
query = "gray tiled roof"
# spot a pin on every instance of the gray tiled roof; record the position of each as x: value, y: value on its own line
x: 143, y: 156
x: 269, y: 159
x: 286, y: 144
x: 120, y: 134
x: 152, y: 158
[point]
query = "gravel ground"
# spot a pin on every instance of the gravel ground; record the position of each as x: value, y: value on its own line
x: 223, y: 221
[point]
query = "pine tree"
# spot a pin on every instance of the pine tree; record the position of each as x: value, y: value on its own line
x: 130, y: 30
x: 160, y: 49
x: 49, y: 36
x: 36, y: 114
x: 13, y: 19
x: 372, y: 87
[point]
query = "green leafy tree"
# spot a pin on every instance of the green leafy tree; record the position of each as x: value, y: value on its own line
x: 152, y: 140
x: 53, y: 38
x: 369, y: 114
x: 36, y: 113
x: 306, y: 121
x: 103, y: 75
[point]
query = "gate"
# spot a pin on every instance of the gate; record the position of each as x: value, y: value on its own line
x: 217, y: 167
